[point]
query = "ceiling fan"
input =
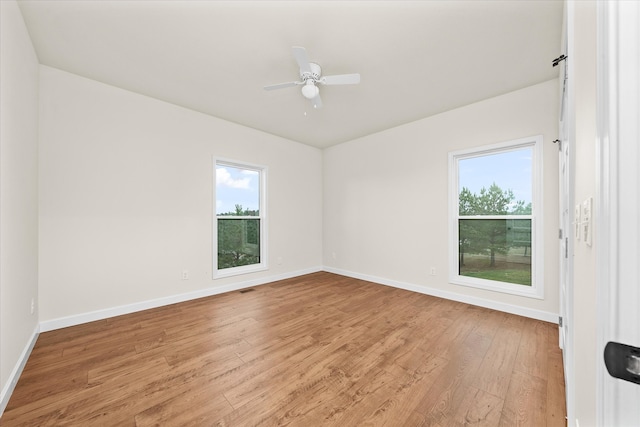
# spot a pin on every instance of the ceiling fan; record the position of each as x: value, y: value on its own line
x: 311, y: 76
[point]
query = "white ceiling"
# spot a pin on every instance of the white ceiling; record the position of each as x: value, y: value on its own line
x: 416, y: 59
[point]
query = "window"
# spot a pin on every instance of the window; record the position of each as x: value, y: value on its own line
x: 496, y: 221
x: 239, y: 229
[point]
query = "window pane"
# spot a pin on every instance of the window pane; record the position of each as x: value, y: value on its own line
x: 238, y: 242
x: 495, y: 249
x: 237, y: 191
x: 496, y: 184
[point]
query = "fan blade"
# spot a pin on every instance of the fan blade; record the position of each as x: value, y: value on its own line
x: 302, y: 59
x: 341, y: 79
x: 281, y: 85
x: 316, y: 101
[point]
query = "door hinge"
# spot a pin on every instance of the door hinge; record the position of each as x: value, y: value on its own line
x: 559, y: 59
x: 560, y: 234
x: 560, y: 321
x: 566, y: 247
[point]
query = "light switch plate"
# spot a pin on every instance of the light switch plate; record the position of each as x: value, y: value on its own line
x: 587, y: 220
x: 576, y: 222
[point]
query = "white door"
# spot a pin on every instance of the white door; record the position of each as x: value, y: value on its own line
x: 619, y: 208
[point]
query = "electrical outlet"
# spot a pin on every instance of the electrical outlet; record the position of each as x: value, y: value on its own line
x: 279, y: 260
x: 185, y: 274
x: 33, y: 305
x: 433, y: 271
x: 333, y: 255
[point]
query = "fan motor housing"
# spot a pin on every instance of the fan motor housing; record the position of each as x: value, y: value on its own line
x: 315, y: 73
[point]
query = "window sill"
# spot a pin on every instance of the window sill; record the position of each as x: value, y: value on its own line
x: 236, y: 271
x: 495, y: 286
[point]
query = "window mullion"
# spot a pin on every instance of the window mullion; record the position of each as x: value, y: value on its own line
x: 495, y: 216
x: 238, y: 217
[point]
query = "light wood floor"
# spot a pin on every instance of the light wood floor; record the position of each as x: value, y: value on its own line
x: 320, y: 349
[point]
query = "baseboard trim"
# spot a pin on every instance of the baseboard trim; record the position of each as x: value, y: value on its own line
x: 10, y: 385
x: 78, y: 319
x: 481, y: 302
x: 63, y: 322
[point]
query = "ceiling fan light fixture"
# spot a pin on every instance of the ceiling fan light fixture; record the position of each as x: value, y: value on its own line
x: 309, y: 90
x: 311, y: 76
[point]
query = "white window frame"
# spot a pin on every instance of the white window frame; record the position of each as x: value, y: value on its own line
x: 263, y: 264
x: 536, y: 290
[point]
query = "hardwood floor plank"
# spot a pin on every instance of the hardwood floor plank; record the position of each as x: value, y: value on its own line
x: 367, y: 397
x: 532, y: 353
x: 302, y: 393
x: 526, y: 401
x: 449, y: 344
x: 447, y: 393
x: 407, y: 390
x: 182, y: 350
x: 498, y: 364
x: 35, y: 392
x: 414, y: 419
x: 319, y: 349
x: 556, y: 408
x: 60, y: 337
x: 200, y: 407
x: 247, y: 379
x: 478, y: 408
x: 124, y: 368
x: 296, y: 367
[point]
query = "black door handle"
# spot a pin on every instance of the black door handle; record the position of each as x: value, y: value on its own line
x: 622, y: 361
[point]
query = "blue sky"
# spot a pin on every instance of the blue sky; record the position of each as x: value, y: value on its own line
x: 509, y: 170
x: 236, y: 186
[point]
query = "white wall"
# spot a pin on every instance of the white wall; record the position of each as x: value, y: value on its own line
x: 385, y: 195
x: 18, y: 194
x: 126, y: 197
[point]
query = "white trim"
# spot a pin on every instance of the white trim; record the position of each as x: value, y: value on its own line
x: 536, y: 290
x: 92, y: 316
x: 504, y: 146
x: 617, y: 180
x: 606, y: 199
x: 480, y: 302
x: 496, y: 286
x: 569, y: 138
x: 495, y: 217
x: 235, y: 271
x: 78, y: 319
x: 10, y: 385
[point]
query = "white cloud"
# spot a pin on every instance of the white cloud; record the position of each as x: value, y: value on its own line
x: 223, y: 177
